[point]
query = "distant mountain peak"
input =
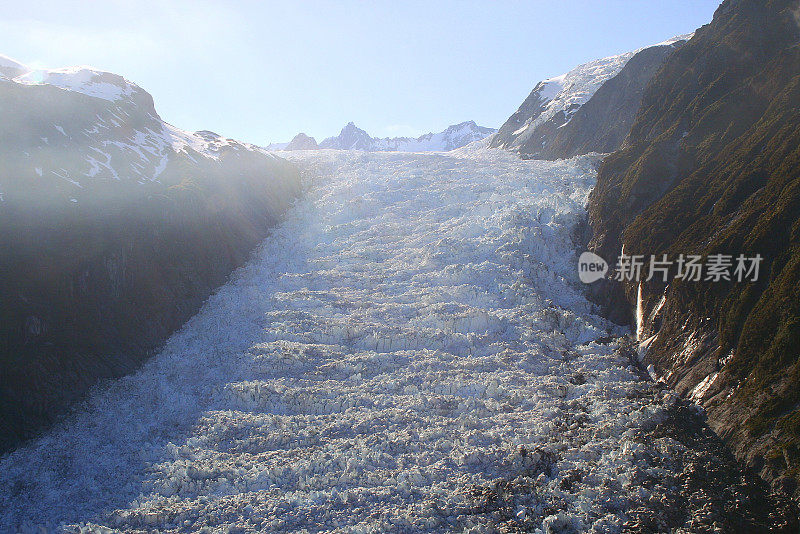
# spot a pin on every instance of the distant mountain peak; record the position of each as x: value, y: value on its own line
x: 455, y: 136
x: 350, y: 138
x: 302, y: 141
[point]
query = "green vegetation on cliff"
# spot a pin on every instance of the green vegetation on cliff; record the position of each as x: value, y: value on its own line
x: 712, y: 165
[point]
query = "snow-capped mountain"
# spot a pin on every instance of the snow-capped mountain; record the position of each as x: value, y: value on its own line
x: 116, y: 226
x: 554, y: 101
x: 452, y: 137
x: 65, y: 130
x: 354, y: 138
x: 350, y: 138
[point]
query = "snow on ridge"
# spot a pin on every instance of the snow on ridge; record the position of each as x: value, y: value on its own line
x: 571, y: 90
x: 80, y: 79
x: 109, y: 146
x: 551, y: 87
x: 673, y: 40
x: 451, y: 138
x: 568, y: 92
x: 10, y: 68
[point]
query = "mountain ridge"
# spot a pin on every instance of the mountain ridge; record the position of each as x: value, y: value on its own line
x: 352, y: 137
x: 542, y: 127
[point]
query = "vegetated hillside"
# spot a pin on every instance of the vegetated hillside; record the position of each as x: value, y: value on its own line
x: 712, y: 165
x: 116, y: 227
x: 588, y: 109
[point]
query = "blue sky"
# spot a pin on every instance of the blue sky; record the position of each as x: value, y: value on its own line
x: 263, y: 71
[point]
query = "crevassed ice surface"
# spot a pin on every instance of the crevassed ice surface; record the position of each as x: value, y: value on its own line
x: 391, y: 349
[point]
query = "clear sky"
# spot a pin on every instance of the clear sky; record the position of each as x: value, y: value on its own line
x: 263, y: 71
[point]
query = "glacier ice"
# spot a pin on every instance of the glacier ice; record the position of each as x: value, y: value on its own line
x: 414, y: 329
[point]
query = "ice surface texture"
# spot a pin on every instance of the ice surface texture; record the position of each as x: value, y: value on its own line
x: 413, y: 325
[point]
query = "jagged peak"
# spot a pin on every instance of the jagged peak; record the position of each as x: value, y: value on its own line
x: 351, y: 127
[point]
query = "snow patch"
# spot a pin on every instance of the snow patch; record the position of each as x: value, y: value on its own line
x: 82, y: 79
x: 700, y: 389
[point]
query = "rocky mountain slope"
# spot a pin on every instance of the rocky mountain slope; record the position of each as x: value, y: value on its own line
x: 354, y: 138
x: 588, y: 109
x: 712, y: 166
x: 116, y: 227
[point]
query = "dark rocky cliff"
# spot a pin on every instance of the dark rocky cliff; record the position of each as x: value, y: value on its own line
x: 115, y: 228
x: 712, y: 165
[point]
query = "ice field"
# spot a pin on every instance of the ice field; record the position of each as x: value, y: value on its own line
x: 411, y: 333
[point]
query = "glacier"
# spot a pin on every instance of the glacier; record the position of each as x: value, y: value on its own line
x: 413, y: 332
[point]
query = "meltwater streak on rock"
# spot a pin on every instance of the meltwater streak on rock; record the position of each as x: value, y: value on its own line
x: 415, y: 328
